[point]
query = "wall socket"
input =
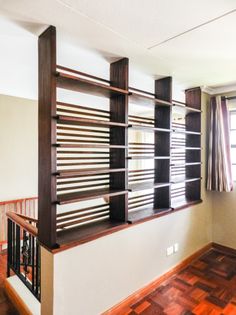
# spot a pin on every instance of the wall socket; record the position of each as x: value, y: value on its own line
x: 176, y: 247
x: 172, y: 249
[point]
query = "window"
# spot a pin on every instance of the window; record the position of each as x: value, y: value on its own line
x: 233, y: 141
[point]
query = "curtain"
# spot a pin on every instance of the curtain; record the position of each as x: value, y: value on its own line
x: 219, y: 172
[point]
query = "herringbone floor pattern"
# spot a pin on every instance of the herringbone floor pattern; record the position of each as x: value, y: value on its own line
x: 206, y: 287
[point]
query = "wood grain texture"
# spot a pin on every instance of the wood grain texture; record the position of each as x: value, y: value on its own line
x: 205, y: 286
x: 119, y: 77
x: 163, y: 90
x: 21, y: 221
x: 47, y: 137
x: 193, y: 123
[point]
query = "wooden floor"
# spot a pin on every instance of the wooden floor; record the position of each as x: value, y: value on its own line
x: 6, y: 308
x: 206, y: 287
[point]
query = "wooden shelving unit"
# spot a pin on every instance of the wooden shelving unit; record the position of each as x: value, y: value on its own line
x: 85, y: 155
x: 77, y: 163
x: 188, y: 172
x: 159, y: 152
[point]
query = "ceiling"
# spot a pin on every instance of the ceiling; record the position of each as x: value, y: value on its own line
x: 194, y: 41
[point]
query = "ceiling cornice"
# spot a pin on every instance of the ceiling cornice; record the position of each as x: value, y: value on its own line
x: 219, y: 89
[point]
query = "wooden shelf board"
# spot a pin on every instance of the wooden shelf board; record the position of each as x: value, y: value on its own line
x: 88, y: 171
x: 78, y: 235
x: 185, y: 110
x: 187, y: 132
x: 148, y: 157
x: 185, y: 148
x: 181, y: 203
x: 90, y: 145
x: 147, y: 214
x: 186, y: 164
x: 181, y: 179
x: 144, y: 100
x: 148, y: 129
x: 147, y: 185
x: 89, y: 194
x: 71, y: 120
x: 74, y: 83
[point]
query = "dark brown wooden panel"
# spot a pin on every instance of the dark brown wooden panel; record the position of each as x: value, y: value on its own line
x: 47, y: 136
x: 193, y: 123
x: 142, y: 215
x: 119, y: 76
x: 193, y: 97
x: 82, y: 234
x: 163, y: 90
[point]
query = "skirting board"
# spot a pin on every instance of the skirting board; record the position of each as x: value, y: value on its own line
x: 124, y: 306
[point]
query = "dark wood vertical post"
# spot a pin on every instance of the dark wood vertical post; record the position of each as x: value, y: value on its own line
x: 119, y: 76
x: 47, y: 137
x: 193, y: 123
x: 163, y: 91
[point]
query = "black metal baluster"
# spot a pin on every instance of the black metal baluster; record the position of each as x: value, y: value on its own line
x: 14, y: 244
x: 24, y: 250
x: 33, y: 258
x: 17, y: 248
x: 25, y: 254
x: 30, y: 248
x: 37, y: 270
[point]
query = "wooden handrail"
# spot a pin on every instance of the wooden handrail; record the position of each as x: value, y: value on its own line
x: 23, y: 223
x: 27, y: 218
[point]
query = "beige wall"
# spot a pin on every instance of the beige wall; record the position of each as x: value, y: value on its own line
x: 91, y: 278
x: 224, y: 213
x: 18, y: 148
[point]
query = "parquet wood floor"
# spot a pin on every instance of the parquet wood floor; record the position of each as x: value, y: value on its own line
x: 206, y: 287
x: 6, y: 307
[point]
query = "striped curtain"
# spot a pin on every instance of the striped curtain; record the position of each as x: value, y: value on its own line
x: 219, y: 172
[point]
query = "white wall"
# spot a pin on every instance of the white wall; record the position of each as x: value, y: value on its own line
x: 93, y: 277
x: 18, y: 148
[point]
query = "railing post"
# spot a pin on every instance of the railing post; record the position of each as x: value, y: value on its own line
x: 9, y: 246
x: 17, y: 248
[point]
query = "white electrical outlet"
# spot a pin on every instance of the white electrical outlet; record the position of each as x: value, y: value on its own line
x: 169, y: 250
x: 176, y: 247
